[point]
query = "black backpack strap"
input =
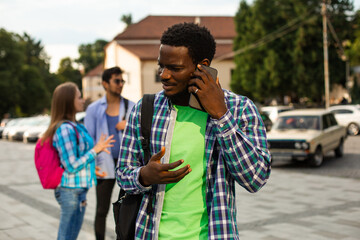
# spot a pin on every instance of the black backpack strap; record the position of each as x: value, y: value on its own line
x: 147, y: 112
x: 126, y: 103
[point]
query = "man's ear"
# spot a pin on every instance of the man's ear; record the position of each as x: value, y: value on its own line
x: 105, y: 84
x: 205, y: 62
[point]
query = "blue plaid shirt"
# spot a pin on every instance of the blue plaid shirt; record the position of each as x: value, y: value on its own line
x: 235, y: 149
x: 78, y: 160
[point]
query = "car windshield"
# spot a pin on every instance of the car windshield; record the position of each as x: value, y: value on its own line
x: 297, y: 122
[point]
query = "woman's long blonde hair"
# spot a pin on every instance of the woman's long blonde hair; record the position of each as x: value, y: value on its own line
x: 62, y: 107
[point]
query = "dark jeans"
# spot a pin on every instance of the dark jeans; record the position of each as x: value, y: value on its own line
x: 104, y: 189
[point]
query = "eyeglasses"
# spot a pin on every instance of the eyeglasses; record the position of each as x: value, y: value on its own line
x: 118, y: 81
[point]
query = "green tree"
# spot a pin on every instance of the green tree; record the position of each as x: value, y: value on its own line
x: 287, y: 53
x: 11, y: 59
x: 127, y: 19
x: 24, y: 71
x: 67, y: 73
x: 91, y: 54
x: 353, y: 45
x: 33, y: 90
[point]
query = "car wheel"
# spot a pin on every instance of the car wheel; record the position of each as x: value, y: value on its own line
x: 339, y: 151
x: 316, y: 159
x: 353, y: 129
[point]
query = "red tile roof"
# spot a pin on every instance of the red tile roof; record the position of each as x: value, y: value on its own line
x: 98, y: 70
x: 152, y: 27
x: 151, y: 51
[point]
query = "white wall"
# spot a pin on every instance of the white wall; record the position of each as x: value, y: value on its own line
x: 110, y: 55
x: 92, y: 88
x: 118, y: 56
x: 224, y: 72
x: 149, y: 69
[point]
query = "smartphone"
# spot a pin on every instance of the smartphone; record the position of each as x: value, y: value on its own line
x: 194, y: 101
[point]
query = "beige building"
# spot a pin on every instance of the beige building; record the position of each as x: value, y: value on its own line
x: 136, y: 50
x: 91, y: 83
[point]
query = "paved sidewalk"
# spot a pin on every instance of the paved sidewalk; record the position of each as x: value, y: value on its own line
x: 291, y: 206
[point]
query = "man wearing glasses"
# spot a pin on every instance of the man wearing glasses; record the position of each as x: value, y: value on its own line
x: 107, y: 116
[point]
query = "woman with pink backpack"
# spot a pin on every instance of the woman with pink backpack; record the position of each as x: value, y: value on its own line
x: 77, y: 156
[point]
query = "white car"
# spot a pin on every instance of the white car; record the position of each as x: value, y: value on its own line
x: 33, y: 133
x: 274, y: 111
x: 10, y: 127
x: 306, y: 134
x: 17, y: 131
x: 348, y: 116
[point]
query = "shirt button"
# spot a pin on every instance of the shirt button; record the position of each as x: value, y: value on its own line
x: 221, y: 125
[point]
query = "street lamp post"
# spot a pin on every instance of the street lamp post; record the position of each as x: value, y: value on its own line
x: 326, y: 60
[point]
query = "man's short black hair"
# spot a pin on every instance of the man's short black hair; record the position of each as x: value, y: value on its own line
x: 109, y: 72
x: 198, y: 40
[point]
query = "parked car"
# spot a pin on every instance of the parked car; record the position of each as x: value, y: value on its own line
x: 306, y: 134
x: 17, y: 132
x: 3, y: 123
x: 348, y: 116
x: 267, y: 121
x: 10, y: 126
x: 33, y: 133
x: 274, y: 111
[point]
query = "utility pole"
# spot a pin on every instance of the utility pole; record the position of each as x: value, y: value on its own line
x: 326, y: 59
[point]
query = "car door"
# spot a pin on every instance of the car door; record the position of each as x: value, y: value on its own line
x: 326, y: 139
x: 333, y: 132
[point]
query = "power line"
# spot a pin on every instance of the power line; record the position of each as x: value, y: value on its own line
x: 287, y: 28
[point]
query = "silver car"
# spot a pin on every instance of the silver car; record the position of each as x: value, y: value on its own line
x: 306, y: 134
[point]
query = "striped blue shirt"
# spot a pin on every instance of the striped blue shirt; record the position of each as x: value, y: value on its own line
x: 235, y: 149
x: 78, y: 160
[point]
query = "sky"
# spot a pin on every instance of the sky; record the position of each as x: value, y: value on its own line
x: 63, y: 25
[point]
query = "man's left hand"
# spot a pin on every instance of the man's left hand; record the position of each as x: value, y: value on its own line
x: 98, y: 173
x: 121, y: 125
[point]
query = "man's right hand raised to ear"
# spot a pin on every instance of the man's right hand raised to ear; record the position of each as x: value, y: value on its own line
x: 156, y: 172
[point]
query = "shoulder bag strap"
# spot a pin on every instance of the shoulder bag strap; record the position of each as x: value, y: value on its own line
x: 69, y: 122
x: 76, y: 131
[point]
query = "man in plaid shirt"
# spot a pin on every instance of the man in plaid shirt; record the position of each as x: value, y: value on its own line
x: 196, y: 155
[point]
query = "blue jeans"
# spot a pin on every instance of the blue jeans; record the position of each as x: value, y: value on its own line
x: 73, y: 203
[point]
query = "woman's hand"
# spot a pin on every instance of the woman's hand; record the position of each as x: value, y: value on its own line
x: 104, y: 143
x: 98, y: 173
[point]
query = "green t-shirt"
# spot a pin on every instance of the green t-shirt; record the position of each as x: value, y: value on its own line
x: 184, y: 214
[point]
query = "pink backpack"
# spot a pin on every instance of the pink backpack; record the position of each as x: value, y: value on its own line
x: 47, y: 162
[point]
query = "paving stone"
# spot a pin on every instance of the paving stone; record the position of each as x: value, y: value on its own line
x: 290, y: 206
